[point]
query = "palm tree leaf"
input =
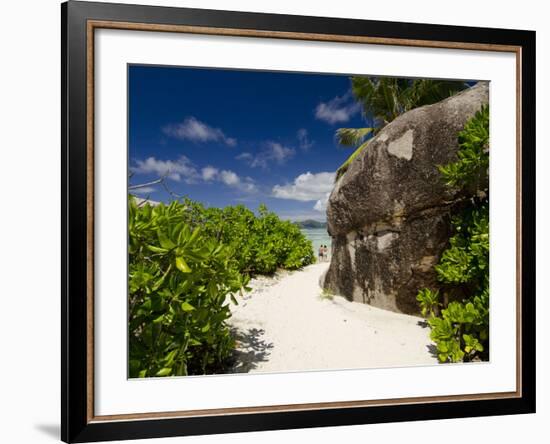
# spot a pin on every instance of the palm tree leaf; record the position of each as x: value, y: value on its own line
x: 344, y: 167
x: 425, y: 91
x: 384, y: 99
x: 352, y: 136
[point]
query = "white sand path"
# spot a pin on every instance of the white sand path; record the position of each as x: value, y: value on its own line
x: 285, y: 324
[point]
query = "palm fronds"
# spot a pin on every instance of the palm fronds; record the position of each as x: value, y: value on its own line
x: 352, y: 136
x: 344, y: 167
x: 425, y: 92
x: 384, y: 99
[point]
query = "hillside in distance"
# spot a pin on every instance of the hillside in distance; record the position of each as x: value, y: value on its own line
x: 310, y: 223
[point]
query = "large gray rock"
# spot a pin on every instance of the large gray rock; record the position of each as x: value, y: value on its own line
x: 389, y: 215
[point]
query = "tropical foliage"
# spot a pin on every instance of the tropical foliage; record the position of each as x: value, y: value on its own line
x: 186, y: 263
x: 473, y: 156
x: 263, y: 241
x: 383, y: 99
x: 460, y: 329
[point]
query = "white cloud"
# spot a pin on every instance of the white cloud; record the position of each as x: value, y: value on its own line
x: 248, y: 185
x: 278, y: 152
x: 143, y: 190
x: 209, y: 173
x: 197, y: 131
x: 244, y: 156
x: 306, y: 187
x: 337, y: 110
x: 229, y: 178
x: 303, y: 139
x: 178, y: 170
x: 271, y: 152
x: 183, y: 170
x: 321, y: 204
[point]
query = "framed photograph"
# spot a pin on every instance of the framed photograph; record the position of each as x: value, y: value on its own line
x: 275, y: 221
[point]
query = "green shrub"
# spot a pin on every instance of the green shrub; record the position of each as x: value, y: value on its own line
x: 473, y: 155
x: 264, y: 241
x: 178, y: 283
x: 429, y: 302
x: 185, y: 263
x: 461, y: 329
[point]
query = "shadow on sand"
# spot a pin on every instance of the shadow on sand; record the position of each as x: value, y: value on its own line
x: 433, y: 350
x: 431, y: 347
x: 423, y: 324
x: 251, y: 349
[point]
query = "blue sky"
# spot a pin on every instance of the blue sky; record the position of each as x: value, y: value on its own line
x: 227, y: 137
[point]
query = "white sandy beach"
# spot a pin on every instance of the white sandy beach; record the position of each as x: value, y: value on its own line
x: 285, y: 324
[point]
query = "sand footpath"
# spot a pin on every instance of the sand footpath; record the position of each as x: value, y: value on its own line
x: 286, y: 324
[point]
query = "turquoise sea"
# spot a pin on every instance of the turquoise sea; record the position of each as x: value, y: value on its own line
x: 318, y: 237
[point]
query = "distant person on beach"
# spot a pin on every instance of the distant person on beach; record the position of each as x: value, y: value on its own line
x: 321, y: 250
x: 325, y: 252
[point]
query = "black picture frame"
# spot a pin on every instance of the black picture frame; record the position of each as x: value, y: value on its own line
x: 76, y: 423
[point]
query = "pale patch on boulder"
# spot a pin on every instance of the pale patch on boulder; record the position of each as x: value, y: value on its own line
x: 403, y: 147
x: 385, y: 240
x: 426, y: 263
x: 351, y: 248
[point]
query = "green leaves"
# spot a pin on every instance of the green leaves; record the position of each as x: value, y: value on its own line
x: 186, y: 306
x: 461, y: 333
x: 352, y: 136
x: 186, y: 264
x: 344, y: 167
x: 164, y: 371
x: 467, y: 258
x: 472, y: 344
x: 429, y: 302
x: 156, y: 249
x: 260, y: 242
x: 164, y: 241
x: 442, y: 329
x: 182, y: 265
x: 177, y: 292
x: 450, y: 350
x: 473, y: 154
